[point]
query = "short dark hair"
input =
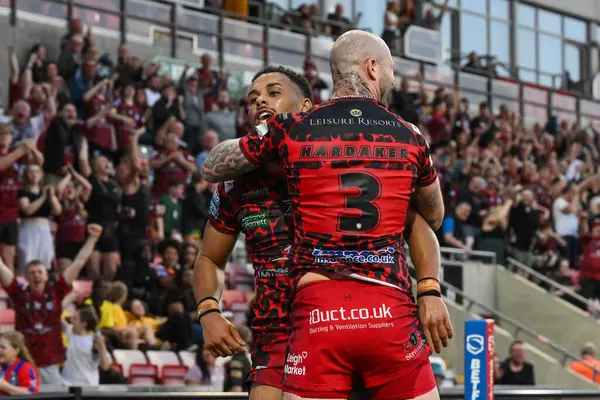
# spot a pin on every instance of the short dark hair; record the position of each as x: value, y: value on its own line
x: 175, y: 182
x: 298, y: 80
x: 34, y: 262
x: 514, y: 343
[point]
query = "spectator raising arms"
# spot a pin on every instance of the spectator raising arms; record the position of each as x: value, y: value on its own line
x: 38, y: 307
x: 19, y: 375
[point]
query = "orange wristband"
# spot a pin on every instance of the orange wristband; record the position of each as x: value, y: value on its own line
x: 428, y: 285
x: 206, y: 305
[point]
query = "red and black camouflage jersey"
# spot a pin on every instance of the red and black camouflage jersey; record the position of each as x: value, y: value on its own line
x: 351, y: 169
x: 257, y: 206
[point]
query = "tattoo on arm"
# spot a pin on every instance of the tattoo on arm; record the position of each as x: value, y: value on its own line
x: 225, y: 162
x: 429, y: 205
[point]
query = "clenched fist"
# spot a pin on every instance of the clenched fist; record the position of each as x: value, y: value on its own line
x: 94, y: 230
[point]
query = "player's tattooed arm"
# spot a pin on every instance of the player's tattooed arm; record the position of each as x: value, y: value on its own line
x: 430, y: 204
x: 225, y: 162
x: 349, y: 84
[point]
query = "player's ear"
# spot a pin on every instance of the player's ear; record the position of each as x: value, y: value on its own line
x: 306, y: 104
x: 372, y: 69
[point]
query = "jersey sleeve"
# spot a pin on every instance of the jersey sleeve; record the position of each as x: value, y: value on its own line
x: 28, y: 378
x: 221, y: 212
x: 265, y: 144
x: 61, y: 288
x: 15, y: 290
x: 426, y: 171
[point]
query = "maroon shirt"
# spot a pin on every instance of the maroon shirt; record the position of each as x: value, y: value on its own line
x: 10, y: 184
x: 99, y: 133
x: 169, y: 171
x: 589, y: 266
x: 351, y: 168
x: 72, y: 223
x: 38, y: 319
x: 124, y: 132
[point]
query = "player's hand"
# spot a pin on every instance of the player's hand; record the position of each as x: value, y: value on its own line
x: 94, y: 230
x: 435, y: 321
x: 220, y: 336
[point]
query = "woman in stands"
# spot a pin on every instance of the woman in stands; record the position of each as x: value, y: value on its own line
x: 18, y: 375
x: 36, y: 206
x: 73, y: 192
x: 205, y: 372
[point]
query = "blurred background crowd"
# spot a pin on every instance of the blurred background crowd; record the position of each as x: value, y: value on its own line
x: 88, y: 139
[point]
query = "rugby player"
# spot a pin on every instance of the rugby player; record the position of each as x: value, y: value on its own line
x: 256, y: 205
x: 352, y: 168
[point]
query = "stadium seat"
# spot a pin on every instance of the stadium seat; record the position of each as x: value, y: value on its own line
x: 188, y: 358
x: 173, y: 372
x: 142, y: 381
x: 136, y: 370
x: 7, y: 317
x: 162, y: 359
x: 84, y: 288
x: 128, y: 357
x: 231, y: 297
x: 173, y: 382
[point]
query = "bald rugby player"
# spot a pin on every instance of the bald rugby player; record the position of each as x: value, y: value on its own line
x: 352, y: 168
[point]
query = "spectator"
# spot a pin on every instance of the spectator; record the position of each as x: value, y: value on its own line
x: 208, y: 78
x: 209, y: 140
x: 589, y: 367
x: 25, y: 126
x: 239, y: 366
x: 169, y: 105
x: 128, y: 117
x: 153, y: 91
x: 38, y: 308
x: 117, y: 330
x: 173, y: 211
x: 405, y: 103
x: 70, y: 58
x: 524, y: 221
x: 391, y: 29
x: 454, y: 228
x: 514, y: 370
x: 566, y: 223
x: 36, y: 205
x: 317, y: 84
x: 99, y: 301
x: 171, y: 162
x: 139, y: 276
x: 63, y: 145
x: 19, y: 375
x: 103, y: 209
x: 195, y: 208
x: 494, y: 226
x: 73, y: 192
x: 338, y: 28
x: 222, y: 119
x: 10, y: 163
x: 86, y: 351
x: 169, y: 267
x: 144, y: 325
x: 438, y: 125
x: 433, y: 22
x: 589, y: 267
x: 204, y: 372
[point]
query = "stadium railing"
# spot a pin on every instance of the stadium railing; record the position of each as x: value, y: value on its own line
x: 264, y: 41
x: 142, y: 393
x: 516, y: 267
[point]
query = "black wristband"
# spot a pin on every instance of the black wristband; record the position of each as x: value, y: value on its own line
x: 208, y: 298
x: 428, y: 278
x: 212, y: 310
x: 426, y: 293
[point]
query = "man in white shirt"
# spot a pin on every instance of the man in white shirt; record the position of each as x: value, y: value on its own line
x: 566, y: 222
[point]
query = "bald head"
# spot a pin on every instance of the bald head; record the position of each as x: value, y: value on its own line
x: 365, y: 58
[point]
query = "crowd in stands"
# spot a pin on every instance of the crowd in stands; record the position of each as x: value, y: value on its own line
x: 99, y: 182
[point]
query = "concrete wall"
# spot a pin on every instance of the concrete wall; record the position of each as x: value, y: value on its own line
x: 548, y: 371
x: 479, y: 284
x: 559, y: 321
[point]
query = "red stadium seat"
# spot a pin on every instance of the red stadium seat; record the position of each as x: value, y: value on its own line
x: 142, y: 381
x: 84, y: 288
x: 7, y: 317
x: 173, y: 371
x: 173, y: 382
x: 129, y: 357
x: 117, y: 367
x: 136, y: 370
x: 162, y: 359
x: 231, y: 297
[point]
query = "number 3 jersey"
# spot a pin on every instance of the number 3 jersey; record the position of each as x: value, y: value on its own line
x: 257, y: 205
x: 351, y: 169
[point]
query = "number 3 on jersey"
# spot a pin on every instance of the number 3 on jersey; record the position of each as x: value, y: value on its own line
x: 361, y: 212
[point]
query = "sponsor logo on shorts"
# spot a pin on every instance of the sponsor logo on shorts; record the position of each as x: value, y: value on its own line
x: 382, y: 256
x: 415, y: 342
x: 293, y: 364
x: 376, y: 317
x: 215, y: 202
x: 255, y: 220
x: 252, y: 194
